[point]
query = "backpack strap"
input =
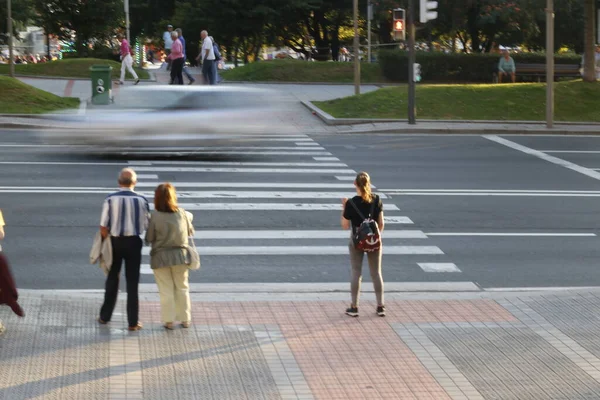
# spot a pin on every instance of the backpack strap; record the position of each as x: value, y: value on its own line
x: 356, y: 208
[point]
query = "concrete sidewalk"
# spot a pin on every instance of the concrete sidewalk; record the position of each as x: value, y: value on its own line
x: 477, y: 345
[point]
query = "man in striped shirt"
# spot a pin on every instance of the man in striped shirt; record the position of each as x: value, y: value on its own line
x: 124, y: 218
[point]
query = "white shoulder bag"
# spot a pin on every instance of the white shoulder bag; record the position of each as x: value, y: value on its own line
x: 193, y: 258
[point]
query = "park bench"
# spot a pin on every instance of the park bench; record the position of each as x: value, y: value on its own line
x: 538, y: 71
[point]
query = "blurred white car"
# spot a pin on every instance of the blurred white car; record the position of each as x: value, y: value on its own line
x: 173, y: 116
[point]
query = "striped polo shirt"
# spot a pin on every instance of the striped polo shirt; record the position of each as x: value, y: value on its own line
x: 125, y: 213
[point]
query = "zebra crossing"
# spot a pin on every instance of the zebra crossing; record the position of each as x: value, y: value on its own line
x: 287, y: 186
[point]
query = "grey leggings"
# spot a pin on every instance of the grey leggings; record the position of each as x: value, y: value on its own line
x: 356, y: 260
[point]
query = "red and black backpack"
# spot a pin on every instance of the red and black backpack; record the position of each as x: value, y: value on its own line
x: 367, y: 236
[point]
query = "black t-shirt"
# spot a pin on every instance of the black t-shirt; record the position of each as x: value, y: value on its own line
x: 364, y: 207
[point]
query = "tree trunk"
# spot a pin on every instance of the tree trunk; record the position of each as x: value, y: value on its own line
x: 589, y: 65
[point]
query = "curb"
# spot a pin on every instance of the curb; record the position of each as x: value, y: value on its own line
x: 378, y: 84
x: 531, y: 128
x: 64, y: 78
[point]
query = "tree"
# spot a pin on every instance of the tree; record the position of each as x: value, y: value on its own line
x: 86, y: 20
x: 589, y: 67
x: 21, y: 13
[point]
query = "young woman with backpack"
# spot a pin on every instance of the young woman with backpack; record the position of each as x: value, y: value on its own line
x: 364, y: 215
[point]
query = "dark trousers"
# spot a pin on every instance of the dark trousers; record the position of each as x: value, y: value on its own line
x: 208, y: 71
x: 128, y: 249
x: 177, y: 71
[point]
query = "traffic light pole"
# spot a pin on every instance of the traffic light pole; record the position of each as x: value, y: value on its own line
x: 11, y: 58
x: 356, y: 50
x: 411, y: 62
x: 549, y: 63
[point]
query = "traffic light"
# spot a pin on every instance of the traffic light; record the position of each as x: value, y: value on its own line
x: 399, y: 22
x: 417, y: 72
x: 428, y: 12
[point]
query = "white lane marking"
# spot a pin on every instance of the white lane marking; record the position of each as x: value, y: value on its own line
x: 495, y: 194
x: 213, y: 194
x: 392, y: 220
x: 148, y: 176
x: 304, y: 250
x: 61, y: 163
x: 438, y: 267
x: 300, y: 234
x: 489, y: 191
x: 191, y: 150
x: 321, y: 289
x: 572, y: 151
x: 253, y: 185
x: 248, y: 170
x: 345, y: 178
x: 239, y: 163
x: 269, y: 207
x: 541, y: 289
x: 326, y: 159
x: 544, y: 156
x: 511, y: 234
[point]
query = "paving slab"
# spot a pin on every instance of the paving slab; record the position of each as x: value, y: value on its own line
x: 430, y: 346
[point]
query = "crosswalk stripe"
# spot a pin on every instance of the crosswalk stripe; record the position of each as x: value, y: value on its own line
x: 307, y: 144
x: 215, y: 194
x: 191, y: 150
x: 249, y: 148
x: 299, y: 234
x: 147, y: 176
x: 439, y: 267
x: 247, y: 170
x: 271, y: 207
x: 326, y: 159
x: 392, y: 220
x: 345, y: 178
x: 253, y: 185
x: 239, y: 163
x: 304, y: 250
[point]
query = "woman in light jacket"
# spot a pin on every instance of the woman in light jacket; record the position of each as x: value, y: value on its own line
x: 168, y: 232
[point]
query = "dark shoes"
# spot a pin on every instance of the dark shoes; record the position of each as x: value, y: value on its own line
x: 137, y: 81
x: 353, y: 311
x: 136, y: 327
x: 131, y: 328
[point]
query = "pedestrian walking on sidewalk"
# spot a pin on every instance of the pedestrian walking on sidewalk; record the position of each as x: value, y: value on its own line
x: 185, y: 68
x: 363, y: 214
x: 124, y: 217
x: 208, y: 59
x: 177, y: 60
x: 126, y: 61
x: 168, y: 39
x: 8, y: 289
x: 168, y: 233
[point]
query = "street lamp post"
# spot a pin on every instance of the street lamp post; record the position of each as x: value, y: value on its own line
x: 127, y: 21
x: 11, y: 61
x: 356, y: 51
x: 549, y: 63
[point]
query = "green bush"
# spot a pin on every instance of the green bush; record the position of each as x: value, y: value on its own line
x: 456, y: 68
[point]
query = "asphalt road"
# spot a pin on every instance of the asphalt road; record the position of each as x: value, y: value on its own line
x: 515, y: 211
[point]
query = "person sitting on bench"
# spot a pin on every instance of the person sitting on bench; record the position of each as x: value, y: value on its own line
x: 506, y: 66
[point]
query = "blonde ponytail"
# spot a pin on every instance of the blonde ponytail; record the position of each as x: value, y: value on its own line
x: 363, y: 183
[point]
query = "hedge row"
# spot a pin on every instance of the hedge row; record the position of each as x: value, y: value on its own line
x: 456, y: 68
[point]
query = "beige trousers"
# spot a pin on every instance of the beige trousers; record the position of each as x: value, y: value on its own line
x: 174, y: 290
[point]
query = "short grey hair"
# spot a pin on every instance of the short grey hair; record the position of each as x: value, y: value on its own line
x: 179, y: 31
x: 204, y: 32
x: 174, y: 34
x: 127, y: 177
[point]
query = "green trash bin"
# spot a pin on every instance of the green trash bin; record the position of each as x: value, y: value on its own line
x: 101, y: 84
